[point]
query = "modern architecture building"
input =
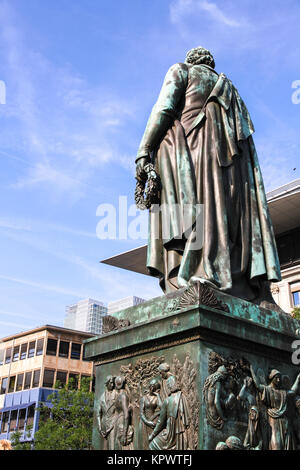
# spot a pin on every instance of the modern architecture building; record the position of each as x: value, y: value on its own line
x: 31, y: 365
x: 121, y: 304
x: 284, y: 205
x: 85, y: 315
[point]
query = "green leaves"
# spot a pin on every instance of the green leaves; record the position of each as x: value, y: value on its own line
x: 69, y: 424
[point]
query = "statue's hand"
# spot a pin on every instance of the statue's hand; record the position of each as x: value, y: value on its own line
x: 140, y: 165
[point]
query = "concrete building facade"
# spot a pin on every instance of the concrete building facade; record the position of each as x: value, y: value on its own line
x: 31, y: 363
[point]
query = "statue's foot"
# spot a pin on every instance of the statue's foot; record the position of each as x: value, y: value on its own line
x: 204, y: 281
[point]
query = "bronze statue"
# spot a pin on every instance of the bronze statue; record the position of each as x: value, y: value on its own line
x: 164, y: 370
x: 150, y: 406
x: 199, y: 140
x: 278, y: 403
x: 170, y: 431
x: 216, y: 397
x: 107, y: 413
x: 253, y: 439
x: 123, y: 427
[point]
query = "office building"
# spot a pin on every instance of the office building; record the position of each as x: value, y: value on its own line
x: 121, y: 304
x: 284, y: 205
x: 85, y: 315
x: 31, y: 363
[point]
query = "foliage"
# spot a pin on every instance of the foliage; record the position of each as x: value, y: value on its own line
x: 68, y: 426
x: 296, y: 313
x: 21, y: 444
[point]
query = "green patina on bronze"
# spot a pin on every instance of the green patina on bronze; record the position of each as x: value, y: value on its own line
x: 205, y: 366
x: 162, y: 329
x: 200, y: 137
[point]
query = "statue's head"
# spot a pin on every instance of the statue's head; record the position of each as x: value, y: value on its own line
x: 154, y: 385
x: 234, y: 443
x: 164, y: 368
x: 120, y: 382
x: 275, y: 378
x: 110, y: 382
x: 253, y: 413
x: 200, y: 55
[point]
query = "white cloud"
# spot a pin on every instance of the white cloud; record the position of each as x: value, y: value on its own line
x: 180, y: 9
x: 64, y: 126
x: 44, y: 286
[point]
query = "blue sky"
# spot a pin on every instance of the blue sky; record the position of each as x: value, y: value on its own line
x: 81, y: 78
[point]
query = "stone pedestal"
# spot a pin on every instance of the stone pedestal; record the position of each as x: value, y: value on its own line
x: 209, y: 342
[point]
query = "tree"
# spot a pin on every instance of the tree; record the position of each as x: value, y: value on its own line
x: 67, y: 424
x: 296, y: 313
x: 20, y: 442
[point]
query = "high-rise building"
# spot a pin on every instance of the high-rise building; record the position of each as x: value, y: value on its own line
x: 121, y: 304
x: 85, y: 315
x: 32, y: 364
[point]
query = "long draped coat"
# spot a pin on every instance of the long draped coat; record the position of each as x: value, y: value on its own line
x: 200, y: 137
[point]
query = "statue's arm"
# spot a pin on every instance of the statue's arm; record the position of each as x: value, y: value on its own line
x: 165, y: 110
x: 258, y: 385
x: 296, y: 384
x: 218, y: 401
x: 161, y: 423
x: 125, y: 408
x: 142, y: 413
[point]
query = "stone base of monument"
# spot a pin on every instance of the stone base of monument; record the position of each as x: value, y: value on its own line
x: 196, y: 369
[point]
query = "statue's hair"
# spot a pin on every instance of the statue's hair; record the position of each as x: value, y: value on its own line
x: 109, y: 378
x: 200, y: 55
x: 164, y: 366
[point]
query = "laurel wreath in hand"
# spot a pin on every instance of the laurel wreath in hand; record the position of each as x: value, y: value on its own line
x: 147, y: 191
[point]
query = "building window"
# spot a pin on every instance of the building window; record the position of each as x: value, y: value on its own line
x: 23, y: 354
x: 36, y: 378
x: 5, y: 417
x: 4, y: 384
x: 61, y: 379
x: 8, y: 355
x: 64, y: 349
x: 296, y: 298
x: 22, y: 416
x: 51, y: 347
x: 27, y: 383
x: 31, y: 349
x: 13, y: 421
x: 73, y: 381
x: 48, y: 378
x: 39, y: 347
x: 1, y: 357
x: 19, y: 386
x: 12, y: 382
x: 30, y: 416
x: 16, y: 353
x: 76, y: 351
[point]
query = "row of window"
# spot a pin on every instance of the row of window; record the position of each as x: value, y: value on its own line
x: 31, y: 379
x: 36, y: 348
x: 17, y: 420
x: 296, y: 298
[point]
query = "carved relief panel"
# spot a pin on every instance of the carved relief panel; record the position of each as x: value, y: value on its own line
x: 152, y: 404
